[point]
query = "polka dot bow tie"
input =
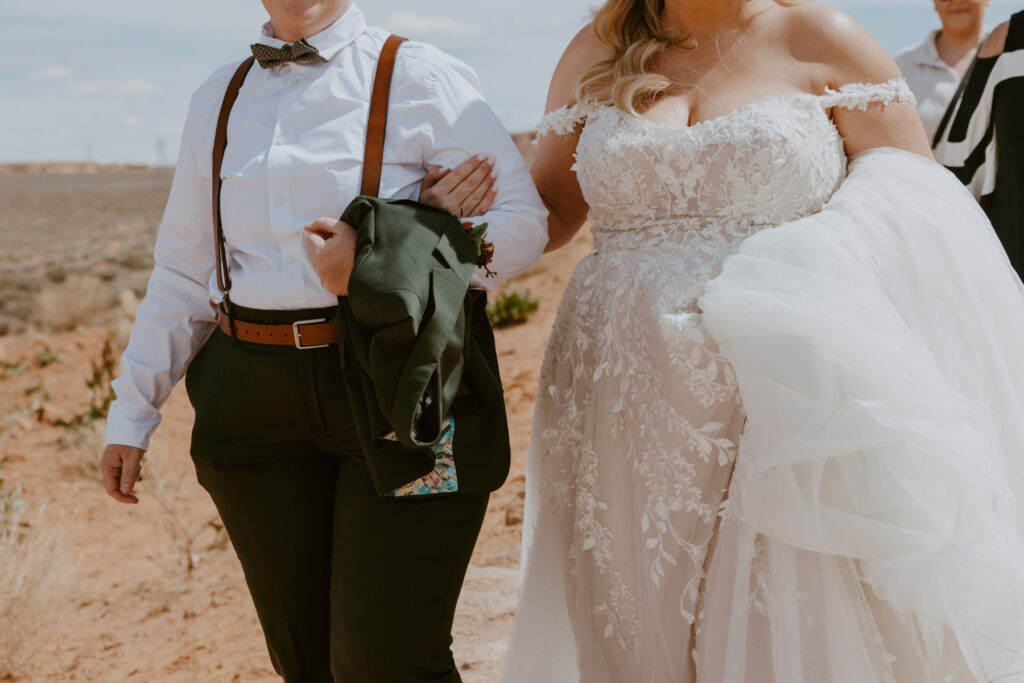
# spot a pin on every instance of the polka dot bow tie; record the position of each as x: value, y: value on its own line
x: 300, y: 52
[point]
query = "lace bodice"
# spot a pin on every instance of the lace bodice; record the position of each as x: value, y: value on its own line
x: 774, y: 160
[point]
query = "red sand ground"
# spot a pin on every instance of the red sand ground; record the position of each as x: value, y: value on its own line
x: 132, y: 610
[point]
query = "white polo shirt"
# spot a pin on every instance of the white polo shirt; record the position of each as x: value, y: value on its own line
x: 933, y: 81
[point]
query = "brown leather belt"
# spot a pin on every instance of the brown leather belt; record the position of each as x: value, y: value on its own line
x: 302, y: 334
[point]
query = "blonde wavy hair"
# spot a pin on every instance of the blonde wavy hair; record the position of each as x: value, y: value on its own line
x: 633, y: 31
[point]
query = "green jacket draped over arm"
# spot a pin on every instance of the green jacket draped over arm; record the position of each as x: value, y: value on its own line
x: 416, y: 346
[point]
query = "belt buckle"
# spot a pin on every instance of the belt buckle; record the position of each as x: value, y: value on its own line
x: 298, y: 335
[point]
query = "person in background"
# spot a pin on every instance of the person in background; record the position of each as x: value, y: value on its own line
x: 934, y: 69
x: 984, y: 143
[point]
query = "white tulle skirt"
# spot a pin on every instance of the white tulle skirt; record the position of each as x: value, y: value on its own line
x: 879, y: 349
x: 873, y: 529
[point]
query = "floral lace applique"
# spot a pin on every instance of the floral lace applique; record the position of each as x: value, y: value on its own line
x: 563, y: 120
x: 861, y: 95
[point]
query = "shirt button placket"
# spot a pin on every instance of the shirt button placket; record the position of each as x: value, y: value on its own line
x: 279, y: 164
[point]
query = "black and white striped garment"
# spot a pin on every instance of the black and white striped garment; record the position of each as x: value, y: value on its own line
x: 984, y: 144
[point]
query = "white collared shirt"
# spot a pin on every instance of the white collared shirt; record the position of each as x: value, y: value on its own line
x: 932, y: 80
x: 295, y: 152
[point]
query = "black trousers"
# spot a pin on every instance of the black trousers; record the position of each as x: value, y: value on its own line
x: 348, y: 587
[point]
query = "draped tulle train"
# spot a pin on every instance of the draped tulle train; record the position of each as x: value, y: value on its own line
x: 875, y: 503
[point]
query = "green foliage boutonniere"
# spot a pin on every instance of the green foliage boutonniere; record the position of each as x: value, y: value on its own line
x: 484, y: 249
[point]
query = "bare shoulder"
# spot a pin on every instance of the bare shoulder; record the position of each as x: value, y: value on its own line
x: 583, y: 51
x: 840, y: 50
x: 996, y: 41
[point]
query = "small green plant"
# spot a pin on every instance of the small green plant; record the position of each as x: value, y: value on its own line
x: 511, y: 308
x: 12, y: 505
x: 8, y: 370
x: 45, y: 357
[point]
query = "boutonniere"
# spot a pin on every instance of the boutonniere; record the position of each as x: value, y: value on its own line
x: 484, y: 248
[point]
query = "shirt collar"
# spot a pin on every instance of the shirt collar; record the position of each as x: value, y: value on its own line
x: 927, y: 54
x: 332, y: 39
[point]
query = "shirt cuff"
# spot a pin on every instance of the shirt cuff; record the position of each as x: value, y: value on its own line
x: 129, y: 430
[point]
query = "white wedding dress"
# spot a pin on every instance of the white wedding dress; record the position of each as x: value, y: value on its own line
x: 869, y: 480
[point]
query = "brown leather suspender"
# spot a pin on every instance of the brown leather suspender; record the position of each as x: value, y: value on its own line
x: 220, y: 143
x: 373, y: 159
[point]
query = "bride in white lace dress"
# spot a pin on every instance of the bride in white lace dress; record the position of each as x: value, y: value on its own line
x: 844, y: 387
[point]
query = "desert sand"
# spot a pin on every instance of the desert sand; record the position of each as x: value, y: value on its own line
x: 154, y: 592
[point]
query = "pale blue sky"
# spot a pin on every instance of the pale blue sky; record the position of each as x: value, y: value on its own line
x: 109, y: 80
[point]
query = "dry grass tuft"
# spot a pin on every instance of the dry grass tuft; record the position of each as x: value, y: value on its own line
x: 165, y: 485
x: 34, y: 574
x: 78, y: 452
x: 80, y: 299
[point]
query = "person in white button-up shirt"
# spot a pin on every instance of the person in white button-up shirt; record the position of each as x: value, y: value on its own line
x: 934, y: 69
x: 297, y: 156
x: 294, y: 154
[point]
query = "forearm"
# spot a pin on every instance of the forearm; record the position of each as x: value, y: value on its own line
x: 461, y: 125
x: 559, y: 190
x: 173, y: 321
x: 562, y: 227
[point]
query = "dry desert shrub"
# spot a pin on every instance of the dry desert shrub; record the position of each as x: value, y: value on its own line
x: 34, y: 576
x: 78, y: 452
x: 80, y: 299
x: 78, y: 448
x: 166, y: 483
x: 12, y: 505
x: 101, y: 390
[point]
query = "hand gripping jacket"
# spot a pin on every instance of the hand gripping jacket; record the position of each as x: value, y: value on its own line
x: 416, y: 349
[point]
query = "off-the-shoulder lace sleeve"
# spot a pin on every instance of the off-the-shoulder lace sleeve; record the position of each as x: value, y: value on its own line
x: 860, y: 95
x: 563, y: 120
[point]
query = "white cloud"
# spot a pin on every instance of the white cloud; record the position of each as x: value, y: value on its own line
x: 50, y: 73
x: 431, y: 28
x: 132, y: 122
x: 131, y: 86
